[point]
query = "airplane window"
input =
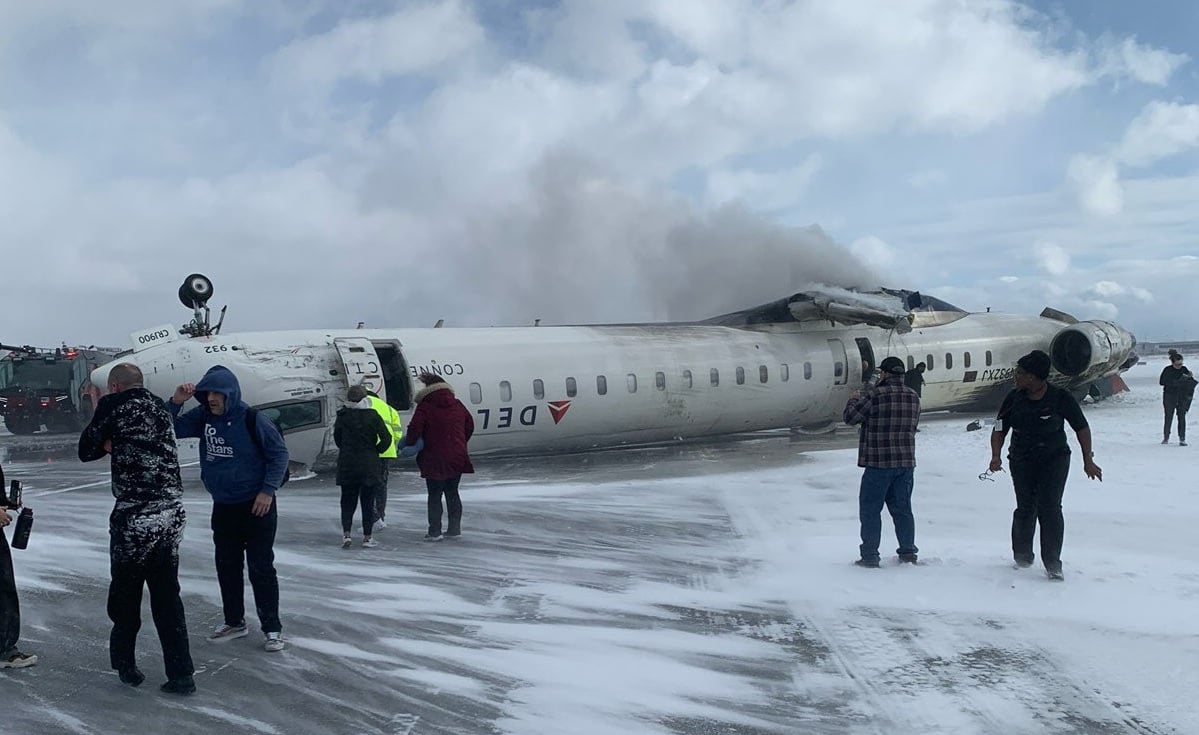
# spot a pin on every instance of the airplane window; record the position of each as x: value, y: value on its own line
x: 538, y: 389
x: 928, y: 362
x: 807, y: 371
x: 289, y: 416
x: 632, y: 381
x: 686, y: 378
x: 740, y: 376
x: 948, y: 361
x: 714, y: 376
x: 838, y: 369
x: 762, y: 374
x: 966, y: 360
x: 660, y: 381
x: 601, y: 385
x: 784, y: 372
x: 988, y: 358
x: 572, y: 388
x: 911, y: 363
x: 505, y: 391
x: 476, y: 393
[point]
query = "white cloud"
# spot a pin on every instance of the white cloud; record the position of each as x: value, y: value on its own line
x: 1052, y: 259
x: 1126, y: 58
x: 298, y: 150
x: 1161, y: 130
x: 1096, y: 184
x: 417, y: 38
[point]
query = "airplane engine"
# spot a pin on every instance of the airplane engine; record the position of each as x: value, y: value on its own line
x: 1091, y: 350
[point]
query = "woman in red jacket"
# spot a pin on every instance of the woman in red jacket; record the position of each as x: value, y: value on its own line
x: 446, y: 426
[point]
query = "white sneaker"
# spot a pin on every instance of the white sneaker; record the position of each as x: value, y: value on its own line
x: 431, y: 537
x: 274, y: 642
x: 17, y: 660
x: 369, y: 543
x: 346, y: 541
x: 228, y: 632
x: 380, y: 523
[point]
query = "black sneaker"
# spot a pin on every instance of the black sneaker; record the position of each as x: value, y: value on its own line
x: 183, y: 685
x: 867, y: 563
x: 907, y: 559
x: 132, y: 676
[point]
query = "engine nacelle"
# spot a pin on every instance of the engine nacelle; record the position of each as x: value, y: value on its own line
x: 1091, y: 350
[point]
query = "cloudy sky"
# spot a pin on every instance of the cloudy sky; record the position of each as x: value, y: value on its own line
x: 494, y: 162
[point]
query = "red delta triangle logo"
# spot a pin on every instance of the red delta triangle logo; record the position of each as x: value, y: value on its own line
x: 558, y: 409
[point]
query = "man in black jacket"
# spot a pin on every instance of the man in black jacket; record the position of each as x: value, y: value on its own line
x: 1036, y: 413
x: 146, y: 524
x: 10, y: 606
x: 914, y: 379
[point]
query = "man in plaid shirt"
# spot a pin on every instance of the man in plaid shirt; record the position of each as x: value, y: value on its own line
x: 889, y: 414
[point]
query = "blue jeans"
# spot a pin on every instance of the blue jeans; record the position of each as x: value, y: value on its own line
x: 891, y: 487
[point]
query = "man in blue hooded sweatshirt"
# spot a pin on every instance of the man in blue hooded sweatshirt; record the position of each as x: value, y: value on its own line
x: 242, y: 474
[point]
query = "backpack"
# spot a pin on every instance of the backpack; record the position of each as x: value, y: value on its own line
x: 252, y: 428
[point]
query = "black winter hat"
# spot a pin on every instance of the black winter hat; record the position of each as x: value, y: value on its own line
x: 892, y: 365
x: 1035, y: 363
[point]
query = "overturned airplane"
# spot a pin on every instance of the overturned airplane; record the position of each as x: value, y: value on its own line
x: 790, y: 363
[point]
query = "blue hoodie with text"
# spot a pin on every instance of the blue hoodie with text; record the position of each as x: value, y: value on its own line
x: 231, y: 465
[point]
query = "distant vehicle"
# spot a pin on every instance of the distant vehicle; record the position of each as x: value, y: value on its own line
x: 48, y: 387
x: 788, y: 364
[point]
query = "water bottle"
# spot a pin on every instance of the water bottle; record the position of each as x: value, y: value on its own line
x: 20, y: 534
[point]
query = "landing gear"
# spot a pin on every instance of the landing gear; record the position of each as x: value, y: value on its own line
x: 196, y: 290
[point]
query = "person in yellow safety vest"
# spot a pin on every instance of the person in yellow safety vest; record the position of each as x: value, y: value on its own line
x: 391, y: 418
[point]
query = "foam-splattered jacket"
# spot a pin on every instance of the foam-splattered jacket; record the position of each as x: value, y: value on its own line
x: 148, y: 513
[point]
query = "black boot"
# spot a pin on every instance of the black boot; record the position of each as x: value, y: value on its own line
x: 182, y: 685
x: 132, y: 676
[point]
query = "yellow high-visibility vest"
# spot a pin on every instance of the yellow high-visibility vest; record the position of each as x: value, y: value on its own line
x: 391, y: 417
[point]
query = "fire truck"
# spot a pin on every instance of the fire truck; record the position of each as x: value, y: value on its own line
x: 48, y: 387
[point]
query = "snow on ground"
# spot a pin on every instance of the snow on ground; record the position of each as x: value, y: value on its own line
x: 694, y: 590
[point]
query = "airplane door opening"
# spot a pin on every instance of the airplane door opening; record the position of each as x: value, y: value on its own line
x: 361, y: 363
x: 840, y: 374
x: 395, y: 375
x: 867, y: 352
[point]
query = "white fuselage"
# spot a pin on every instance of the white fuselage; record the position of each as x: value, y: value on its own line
x: 535, y: 389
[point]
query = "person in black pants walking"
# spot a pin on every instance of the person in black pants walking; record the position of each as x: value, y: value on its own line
x: 145, y: 527
x: 1036, y: 414
x: 446, y: 426
x: 1178, y: 388
x: 361, y: 436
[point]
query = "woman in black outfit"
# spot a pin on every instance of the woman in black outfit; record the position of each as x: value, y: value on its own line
x: 1178, y: 388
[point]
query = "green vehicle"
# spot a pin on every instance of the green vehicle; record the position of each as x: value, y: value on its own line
x: 50, y: 388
